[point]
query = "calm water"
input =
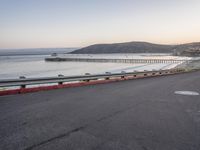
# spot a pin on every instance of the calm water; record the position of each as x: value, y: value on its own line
x: 12, y: 67
x: 35, y: 66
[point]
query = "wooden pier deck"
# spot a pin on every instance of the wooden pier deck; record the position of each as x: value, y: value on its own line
x: 115, y: 60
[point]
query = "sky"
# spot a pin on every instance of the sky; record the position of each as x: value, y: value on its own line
x: 79, y: 23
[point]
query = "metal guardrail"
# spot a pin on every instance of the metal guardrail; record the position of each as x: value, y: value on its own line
x: 23, y: 82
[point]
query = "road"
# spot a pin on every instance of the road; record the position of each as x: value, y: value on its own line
x: 142, y: 114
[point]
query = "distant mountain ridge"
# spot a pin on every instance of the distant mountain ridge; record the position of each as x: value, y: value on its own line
x: 139, y: 47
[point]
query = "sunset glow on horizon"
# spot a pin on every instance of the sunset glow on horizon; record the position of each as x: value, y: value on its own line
x: 78, y: 23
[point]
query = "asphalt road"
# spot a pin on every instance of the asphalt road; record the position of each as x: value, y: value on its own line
x: 142, y: 114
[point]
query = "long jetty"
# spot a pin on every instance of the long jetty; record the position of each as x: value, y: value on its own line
x: 114, y: 60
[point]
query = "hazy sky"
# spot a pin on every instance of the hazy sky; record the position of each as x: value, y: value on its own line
x: 77, y: 23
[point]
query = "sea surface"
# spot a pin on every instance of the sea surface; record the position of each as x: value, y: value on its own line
x: 14, y: 66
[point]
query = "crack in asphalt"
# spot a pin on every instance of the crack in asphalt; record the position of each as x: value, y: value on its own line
x: 55, y: 138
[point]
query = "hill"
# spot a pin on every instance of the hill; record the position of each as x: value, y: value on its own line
x: 130, y: 47
x: 190, y: 49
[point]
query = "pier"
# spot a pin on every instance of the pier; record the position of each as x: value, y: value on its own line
x: 134, y: 61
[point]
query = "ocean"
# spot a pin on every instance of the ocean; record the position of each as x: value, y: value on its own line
x: 13, y: 67
x: 31, y: 65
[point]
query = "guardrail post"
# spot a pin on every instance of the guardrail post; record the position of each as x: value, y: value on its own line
x: 87, y: 74
x: 108, y: 73
x: 22, y: 86
x: 60, y: 75
x: 123, y: 76
x: 134, y: 75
